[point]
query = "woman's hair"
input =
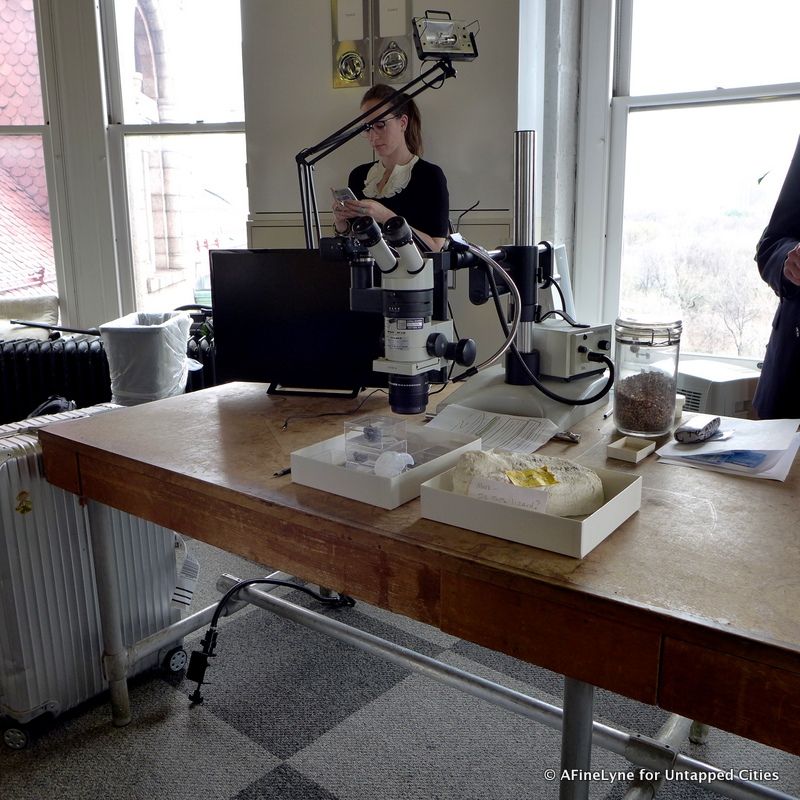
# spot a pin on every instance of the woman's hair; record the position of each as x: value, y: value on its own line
x: 413, y: 132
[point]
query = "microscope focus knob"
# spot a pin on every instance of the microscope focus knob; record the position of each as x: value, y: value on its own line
x: 436, y: 345
x: 463, y: 352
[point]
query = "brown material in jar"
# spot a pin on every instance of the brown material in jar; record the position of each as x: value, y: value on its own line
x: 645, y: 402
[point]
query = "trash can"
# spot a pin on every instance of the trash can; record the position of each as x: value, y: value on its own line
x: 147, y: 355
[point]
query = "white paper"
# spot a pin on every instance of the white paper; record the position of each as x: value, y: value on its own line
x: 393, y: 20
x: 746, y: 434
x: 777, y: 471
x: 497, y: 431
x: 775, y: 442
x: 534, y: 499
x: 349, y: 20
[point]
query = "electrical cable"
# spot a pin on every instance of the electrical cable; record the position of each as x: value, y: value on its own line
x: 456, y: 337
x: 330, y: 413
x: 566, y: 317
x: 440, y: 389
x: 453, y: 320
x: 198, y: 663
x: 466, y: 211
x: 510, y: 333
x: 554, y: 283
x: 562, y: 312
x: 433, y: 85
x: 591, y: 356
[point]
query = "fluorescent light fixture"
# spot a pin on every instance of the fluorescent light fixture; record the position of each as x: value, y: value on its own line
x: 436, y: 38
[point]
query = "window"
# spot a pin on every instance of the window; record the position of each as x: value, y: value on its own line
x: 703, y: 125
x: 27, y: 265
x: 178, y: 149
x: 696, y: 201
x: 687, y: 46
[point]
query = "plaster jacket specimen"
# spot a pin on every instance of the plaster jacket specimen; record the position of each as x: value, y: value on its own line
x: 574, y: 491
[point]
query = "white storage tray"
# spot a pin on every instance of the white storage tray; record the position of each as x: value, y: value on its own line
x: 572, y: 536
x: 322, y: 466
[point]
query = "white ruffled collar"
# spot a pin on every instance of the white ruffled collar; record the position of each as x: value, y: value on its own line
x: 398, y: 180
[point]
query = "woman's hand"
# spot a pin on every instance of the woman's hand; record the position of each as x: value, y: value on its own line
x: 791, y: 267
x: 341, y: 217
x: 368, y: 208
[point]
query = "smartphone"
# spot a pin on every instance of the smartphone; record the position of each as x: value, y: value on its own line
x: 340, y: 195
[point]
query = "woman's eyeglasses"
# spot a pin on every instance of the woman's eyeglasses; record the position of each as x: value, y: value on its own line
x: 377, y: 126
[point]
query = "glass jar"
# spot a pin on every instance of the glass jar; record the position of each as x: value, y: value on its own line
x: 646, y: 378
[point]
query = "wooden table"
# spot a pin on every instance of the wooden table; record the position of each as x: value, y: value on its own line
x: 692, y: 605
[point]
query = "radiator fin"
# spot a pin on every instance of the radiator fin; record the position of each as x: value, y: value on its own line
x: 31, y: 370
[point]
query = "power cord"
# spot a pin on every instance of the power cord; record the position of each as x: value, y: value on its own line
x: 561, y: 312
x: 590, y: 356
x: 198, y: 663
x: 466, y: 211
x: 330, y: 413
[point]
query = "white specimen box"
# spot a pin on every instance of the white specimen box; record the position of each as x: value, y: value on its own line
x: 323, y: 466
x: 630, y: 448
x: 572, y: 536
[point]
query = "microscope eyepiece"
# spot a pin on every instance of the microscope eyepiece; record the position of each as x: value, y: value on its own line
x: 397, y: 232
x: 366, y: 231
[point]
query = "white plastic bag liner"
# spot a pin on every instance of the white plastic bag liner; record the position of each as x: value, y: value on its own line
x: 147, y: 355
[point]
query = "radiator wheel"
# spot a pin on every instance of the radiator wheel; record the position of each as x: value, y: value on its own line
x: 16, y: 737
x: 175, y: 660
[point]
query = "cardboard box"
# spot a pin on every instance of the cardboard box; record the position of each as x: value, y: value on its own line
x: 322, y: 466
x: 572, y: 536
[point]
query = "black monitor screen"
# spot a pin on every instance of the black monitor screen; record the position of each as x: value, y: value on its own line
x: 283, y: 317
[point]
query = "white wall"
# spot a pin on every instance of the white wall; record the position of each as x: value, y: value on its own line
x: 468, y: 124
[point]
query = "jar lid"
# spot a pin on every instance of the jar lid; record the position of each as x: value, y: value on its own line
x: 654, y: 334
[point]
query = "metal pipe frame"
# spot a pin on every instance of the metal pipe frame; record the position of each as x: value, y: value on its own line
x: 576, y: 739
x: 116, y: 656
x: 525, y: 216
x: 524, y: 186
x: 672, y: 733
x: 642, y: 751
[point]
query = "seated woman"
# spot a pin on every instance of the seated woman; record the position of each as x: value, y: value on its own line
x: 400, y: 182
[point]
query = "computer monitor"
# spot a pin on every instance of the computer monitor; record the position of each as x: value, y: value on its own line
x: 283, y: 317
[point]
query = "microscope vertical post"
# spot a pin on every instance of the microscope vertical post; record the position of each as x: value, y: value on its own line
x: 523, y: 257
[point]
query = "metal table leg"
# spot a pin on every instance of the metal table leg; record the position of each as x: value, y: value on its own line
x: 115, y: 657
x: 698, y: 733
x: 576, y: 740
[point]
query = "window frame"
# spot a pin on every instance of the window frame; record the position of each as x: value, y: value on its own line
x: 49, y: 131
x: 603, y: 125
x: 75, y: 169
x: 117, y: 132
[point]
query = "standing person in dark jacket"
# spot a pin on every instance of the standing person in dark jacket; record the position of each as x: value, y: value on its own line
x: 400, y: 182
x: 778, y: 258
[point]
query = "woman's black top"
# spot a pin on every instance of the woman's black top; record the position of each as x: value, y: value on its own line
x: 424, y: 202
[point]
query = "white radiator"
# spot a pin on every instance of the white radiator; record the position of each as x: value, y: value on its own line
x: 50, y: 639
